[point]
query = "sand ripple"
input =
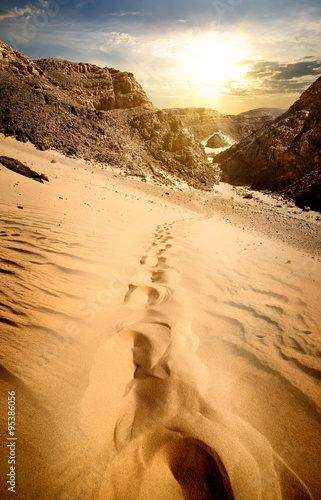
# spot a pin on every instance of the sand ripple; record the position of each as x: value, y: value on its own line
x: 178, y: 362
x: 170, y: 439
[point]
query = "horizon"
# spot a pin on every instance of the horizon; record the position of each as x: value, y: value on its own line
x: 229, y: 55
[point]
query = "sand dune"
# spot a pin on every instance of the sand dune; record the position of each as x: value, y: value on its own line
x: 157, y: 351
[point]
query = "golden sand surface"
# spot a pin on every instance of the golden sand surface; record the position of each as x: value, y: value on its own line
x: 156, y: 349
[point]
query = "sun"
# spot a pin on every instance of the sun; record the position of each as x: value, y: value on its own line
x: 211, y: 60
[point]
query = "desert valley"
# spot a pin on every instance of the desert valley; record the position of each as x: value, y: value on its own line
x: 160, y: 292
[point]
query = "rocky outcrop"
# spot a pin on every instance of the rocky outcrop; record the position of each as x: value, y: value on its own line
x: 99, y: 88
x: 99, y: 114
x: 284, y: 155
x: 85, y: 84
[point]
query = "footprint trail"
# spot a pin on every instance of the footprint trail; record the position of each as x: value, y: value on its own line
x: 163, y: 425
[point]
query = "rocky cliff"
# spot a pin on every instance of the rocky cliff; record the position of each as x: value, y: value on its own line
x: 97, y: 88
x: 285, y: 155
x: 100, y: 114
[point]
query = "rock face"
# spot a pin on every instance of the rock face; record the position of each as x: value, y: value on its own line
x: 203, y: 122
x: 99, y: 114
x: 173, y: 145
x: 284, y: 155
x: 99, y: 88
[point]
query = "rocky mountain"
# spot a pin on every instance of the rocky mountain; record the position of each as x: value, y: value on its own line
x: 99, y: 114
x: 284, y: 155
x: 203, y: 123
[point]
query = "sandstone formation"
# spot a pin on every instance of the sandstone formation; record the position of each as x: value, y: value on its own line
x: 284, y: 155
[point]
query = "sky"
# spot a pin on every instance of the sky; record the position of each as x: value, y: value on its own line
x: 229, y: 55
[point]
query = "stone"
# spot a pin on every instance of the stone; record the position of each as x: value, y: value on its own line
x: 20, y: 168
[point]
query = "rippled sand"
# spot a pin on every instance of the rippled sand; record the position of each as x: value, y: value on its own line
x: 157, y: 351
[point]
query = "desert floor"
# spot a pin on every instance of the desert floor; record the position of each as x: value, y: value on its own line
x: 162, y: 343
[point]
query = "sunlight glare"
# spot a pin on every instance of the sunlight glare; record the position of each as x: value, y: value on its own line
x: 210, y: 60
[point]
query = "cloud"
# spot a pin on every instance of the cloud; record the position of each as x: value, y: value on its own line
x: 297, y: 70
x: 79, y: 5
x: 116, y: 39
x: 124, y: 14
x: 274, y: 77
x: 15, y: 12
x: 151, y: 39
x: 277, y: 71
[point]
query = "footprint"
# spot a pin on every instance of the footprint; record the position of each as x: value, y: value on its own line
x: 143, y: 351
x: 144, y: 296
x: 162, y: 261
x: 151, y: 344
x: 138, y: 317
x: 157, y: 277
x: 149, y: 260
x: 143, y: 275
x: 199, y: 470
x: 165, y: 276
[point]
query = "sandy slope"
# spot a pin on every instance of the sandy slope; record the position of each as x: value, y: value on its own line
x: 162, y: 346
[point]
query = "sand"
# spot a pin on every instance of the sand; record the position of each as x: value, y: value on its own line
x: 162, y: 343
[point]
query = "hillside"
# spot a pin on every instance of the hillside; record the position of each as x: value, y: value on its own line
x: 99, y: 114
x: 282, y: 156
